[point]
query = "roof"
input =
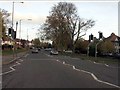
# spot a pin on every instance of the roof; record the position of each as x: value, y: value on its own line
x: 113, y: 37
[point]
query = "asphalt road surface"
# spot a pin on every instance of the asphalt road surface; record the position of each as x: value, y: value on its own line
x: 48, y: 71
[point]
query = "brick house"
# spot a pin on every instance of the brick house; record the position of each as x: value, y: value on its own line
x: 116, y: 41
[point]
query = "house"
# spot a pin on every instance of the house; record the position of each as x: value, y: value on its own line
x: 116, y: 41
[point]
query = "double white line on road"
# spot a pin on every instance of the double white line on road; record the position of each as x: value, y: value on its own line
x: 94, y: 77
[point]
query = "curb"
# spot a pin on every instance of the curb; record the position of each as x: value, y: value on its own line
x: 5, y: 63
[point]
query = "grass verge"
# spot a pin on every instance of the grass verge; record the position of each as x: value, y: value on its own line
x: 106, y: 60
x: 10, y: 52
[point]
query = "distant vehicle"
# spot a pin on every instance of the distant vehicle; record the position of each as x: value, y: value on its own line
x: 35, y: 50
x: 48, y: 49
x: 53, y: 52
x: 39, y: 49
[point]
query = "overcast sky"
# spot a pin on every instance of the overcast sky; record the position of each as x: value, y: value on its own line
x: 105, y: 13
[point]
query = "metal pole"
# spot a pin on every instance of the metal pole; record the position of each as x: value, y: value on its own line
x: 88, y: 49
x: 27, y: 39
x: 96, y: 50
x: 16, y: 36
x: 20, y: 30
x: 12, y: 14
x: 12, y: 25
x: 19, y: 33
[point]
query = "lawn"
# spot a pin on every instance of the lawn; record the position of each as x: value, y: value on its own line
x: 10, y: 52
x: 107, y: 60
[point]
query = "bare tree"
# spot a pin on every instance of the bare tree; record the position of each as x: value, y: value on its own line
x: 64, y: 18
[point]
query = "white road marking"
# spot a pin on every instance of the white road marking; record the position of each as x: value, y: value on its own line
x: 57, y: 60
x: 11, y: 67
x: 94, y: 77
x: 20, y: 60
x: 107, y: 65
x: 73, y: 67
x: 26, y: 55
x: 94, y: 62
x: 64, y: 62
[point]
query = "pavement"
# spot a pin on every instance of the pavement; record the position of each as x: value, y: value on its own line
x: 43, y: 70
x: 9, y: 58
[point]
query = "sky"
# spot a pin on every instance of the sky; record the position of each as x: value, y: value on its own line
x: 105, y: 14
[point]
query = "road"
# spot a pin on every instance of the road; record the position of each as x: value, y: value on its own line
x: 48, y: 71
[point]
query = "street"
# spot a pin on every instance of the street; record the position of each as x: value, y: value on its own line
x: 42, y: 70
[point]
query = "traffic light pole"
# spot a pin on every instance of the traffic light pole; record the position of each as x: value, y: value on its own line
x: 100, y: 39
x: 96, y: 48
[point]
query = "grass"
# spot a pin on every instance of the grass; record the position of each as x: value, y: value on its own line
x: 10, y: 52
x: 107, y: 60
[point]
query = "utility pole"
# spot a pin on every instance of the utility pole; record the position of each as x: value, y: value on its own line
x: 90, y: 40
x: 12, y: 39
x: 16, y: 36
x: 100, y: 39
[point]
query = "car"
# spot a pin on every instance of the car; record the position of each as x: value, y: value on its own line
x: 39, y: 49
x: 34, y: 50
x: 53, y: 52
x: 48, y: 49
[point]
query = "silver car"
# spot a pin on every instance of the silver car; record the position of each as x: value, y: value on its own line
x: 53, y: 52
x: 34, y: 50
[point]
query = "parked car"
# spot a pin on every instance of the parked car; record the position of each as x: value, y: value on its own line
x: 35, y: 50
x: 53, y: 52
x: 117, y: 55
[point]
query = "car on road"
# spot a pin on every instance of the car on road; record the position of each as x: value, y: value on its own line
x: 35, y: 50
x: 48, y: 49
x: 39, y: 49
x: 53, y: 52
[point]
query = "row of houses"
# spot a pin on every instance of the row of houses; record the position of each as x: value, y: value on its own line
x: 19, y: 43
x: 24, y: 43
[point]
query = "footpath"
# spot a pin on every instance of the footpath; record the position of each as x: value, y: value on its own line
x: 9, y: 58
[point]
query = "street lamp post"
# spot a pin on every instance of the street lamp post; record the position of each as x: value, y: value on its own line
x: 13, y: 23
x: 13, y: 12
x: 20, y: 30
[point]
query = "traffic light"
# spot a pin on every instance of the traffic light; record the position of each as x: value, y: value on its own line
x: 14, y: 34
x: 10, y: 30
x: 90, y: 37
x: 100, y: 35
